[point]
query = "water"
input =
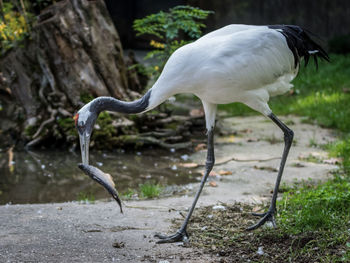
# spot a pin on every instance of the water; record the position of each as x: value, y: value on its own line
x: 53, y: 176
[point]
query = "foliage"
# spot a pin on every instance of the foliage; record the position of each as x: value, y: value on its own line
x: 39, y: 5
x: 105, y: 132
x: 16, y: 21
x: 147, y: 190
x: 67, y: 125
x: 150, y: 190
x: 13, y: 27
x: 317, y: 216
x: 341, y: 148
x: 128, y: 194
x: 316, y: 207
x: 222, y: 232
x: 85, y: 197
x: 86, y: 97
x: 166, y: 29
x: 321, y: 95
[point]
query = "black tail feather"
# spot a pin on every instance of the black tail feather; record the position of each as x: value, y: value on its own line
x: 301, y: 44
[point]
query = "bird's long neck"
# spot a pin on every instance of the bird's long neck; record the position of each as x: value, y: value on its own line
x: 111, y: 104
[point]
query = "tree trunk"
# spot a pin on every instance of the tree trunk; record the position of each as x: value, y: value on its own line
x: 74, y: 52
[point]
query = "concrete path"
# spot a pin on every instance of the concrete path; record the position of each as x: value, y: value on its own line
x: 73, y: 232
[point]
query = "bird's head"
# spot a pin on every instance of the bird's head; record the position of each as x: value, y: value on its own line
x: 84, y: 122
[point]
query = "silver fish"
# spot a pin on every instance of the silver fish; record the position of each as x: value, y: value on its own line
x: 103, y: 179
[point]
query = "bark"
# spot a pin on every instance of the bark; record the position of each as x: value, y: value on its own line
x: 74, y: 52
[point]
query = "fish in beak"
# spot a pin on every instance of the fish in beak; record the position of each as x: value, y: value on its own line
x: 102, y: 178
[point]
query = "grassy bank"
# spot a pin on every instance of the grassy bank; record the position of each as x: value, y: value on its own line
x: 313, y: 220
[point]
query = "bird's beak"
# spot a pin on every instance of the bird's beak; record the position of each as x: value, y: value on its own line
x: 84, y: 147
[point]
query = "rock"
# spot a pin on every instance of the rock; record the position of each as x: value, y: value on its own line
x: 219, y: 207
x: 260, y: 251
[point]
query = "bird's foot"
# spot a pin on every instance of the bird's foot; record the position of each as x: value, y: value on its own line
x: 267, y: 216
x: 179, y: 236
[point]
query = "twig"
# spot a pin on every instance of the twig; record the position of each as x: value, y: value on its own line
x: 51, y: 119
x: 34, y: 142
x: 10, y: 152
x: 24, y: 13
x: 240, y: 160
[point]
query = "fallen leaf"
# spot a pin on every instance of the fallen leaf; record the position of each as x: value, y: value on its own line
x: 212, y: 173
x: 213, y: 184
x: 189, y: 165
x: 230, y: 138
x: 200, y: 146
x: 223, y: 172
x: 266, y: 168
x: 256, y: 208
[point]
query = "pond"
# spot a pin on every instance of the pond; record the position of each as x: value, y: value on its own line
x: 53, y: 176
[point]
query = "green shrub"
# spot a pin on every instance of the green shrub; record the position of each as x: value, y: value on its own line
x: 13, y: 27
x: 166, y: 28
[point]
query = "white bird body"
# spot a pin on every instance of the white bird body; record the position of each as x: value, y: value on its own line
x: 237, y: 63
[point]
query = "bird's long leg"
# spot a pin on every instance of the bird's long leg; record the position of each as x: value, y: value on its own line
x: 288, y: 139
x: 181, y: 234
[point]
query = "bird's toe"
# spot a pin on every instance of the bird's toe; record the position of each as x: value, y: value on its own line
x: 180, y: 236
x: 259, y: 214
x: 265, y: 217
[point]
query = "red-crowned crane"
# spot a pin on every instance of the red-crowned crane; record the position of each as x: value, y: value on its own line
x: 237, y: 63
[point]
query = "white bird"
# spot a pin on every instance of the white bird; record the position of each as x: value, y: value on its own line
x: 237, y: 63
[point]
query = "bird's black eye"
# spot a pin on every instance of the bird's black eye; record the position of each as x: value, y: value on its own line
x: 80, y: 126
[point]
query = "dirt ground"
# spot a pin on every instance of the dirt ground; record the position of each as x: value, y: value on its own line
x: 249, y: 148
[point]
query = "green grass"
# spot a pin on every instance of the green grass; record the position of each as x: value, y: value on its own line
x: 150, y: 190
x: 128, y: 194
x: 86, y: 197
x: 317, y: 213
x: 341, y: 148
x: 316, y: 207
x: 144, y: 191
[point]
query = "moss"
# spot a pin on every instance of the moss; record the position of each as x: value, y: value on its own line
x: 86, y: 97
x: 67, y: 125
x: 30, y: 130
x: 172, y: 126
x: 106, y: 135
